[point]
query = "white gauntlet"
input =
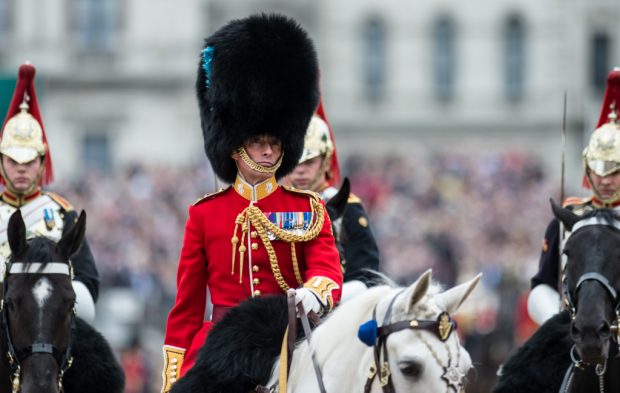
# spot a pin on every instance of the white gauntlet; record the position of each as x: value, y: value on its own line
x: 351, y: 289
x: 543, y: 302
x: 84, y: 302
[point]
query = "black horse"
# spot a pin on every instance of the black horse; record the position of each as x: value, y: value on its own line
x: 45, y: 347
x: 577, y: 350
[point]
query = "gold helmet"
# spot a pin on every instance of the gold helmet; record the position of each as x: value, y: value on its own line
x: 602, y: 155
x: 317, y: 141
x: 22, y: 137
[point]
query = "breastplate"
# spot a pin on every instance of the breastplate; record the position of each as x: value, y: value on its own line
x: 42, y: 216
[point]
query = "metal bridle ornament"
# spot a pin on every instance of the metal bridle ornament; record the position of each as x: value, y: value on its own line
x: 376, y: 337
x: 16, y: 357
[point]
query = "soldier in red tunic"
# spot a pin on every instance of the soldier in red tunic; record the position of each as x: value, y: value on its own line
x: 257, y: 89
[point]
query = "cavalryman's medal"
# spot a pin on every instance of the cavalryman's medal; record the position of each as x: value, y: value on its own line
x: 48, y: 217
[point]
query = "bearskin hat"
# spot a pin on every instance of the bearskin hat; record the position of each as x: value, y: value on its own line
x: 257, y: 75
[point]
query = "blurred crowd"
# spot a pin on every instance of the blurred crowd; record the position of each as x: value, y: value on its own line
x: 457, y: 213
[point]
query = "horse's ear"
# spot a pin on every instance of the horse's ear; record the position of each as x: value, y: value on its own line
x: 452, y: 299
x: 416, y: 291
x: 71, y: 241
x: 336, y: 205
x: 567, y: 217
x: 17, y: 234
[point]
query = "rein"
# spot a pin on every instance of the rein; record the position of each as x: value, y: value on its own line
x: 16, y: 357
x: 288, y: 345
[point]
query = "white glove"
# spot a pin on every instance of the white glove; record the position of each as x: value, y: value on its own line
x: 308, y: 299
x: 84, y: 302
x: 543, y: 302
x: 352, y: 288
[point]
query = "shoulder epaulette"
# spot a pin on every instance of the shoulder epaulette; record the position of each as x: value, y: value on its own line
x: 354, y: 198
x: 302, y: 192
x: 570, y: 201
x: 211, y: 195
x: 64, y: 204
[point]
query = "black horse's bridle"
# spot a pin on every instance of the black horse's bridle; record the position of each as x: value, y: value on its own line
x: 15, y: 357
x: 601, y: 368
x: 442, y: 327
x: 593, y: 276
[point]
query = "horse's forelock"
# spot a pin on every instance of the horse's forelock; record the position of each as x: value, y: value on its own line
x: 40, y: 250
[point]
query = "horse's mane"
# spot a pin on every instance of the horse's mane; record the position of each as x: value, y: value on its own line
x: 359, y: 309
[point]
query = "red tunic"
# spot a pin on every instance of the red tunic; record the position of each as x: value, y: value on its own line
x: 206, y: 260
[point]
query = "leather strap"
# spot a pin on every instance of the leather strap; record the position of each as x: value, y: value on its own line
x: 292, y: 329
x: 308, y: 332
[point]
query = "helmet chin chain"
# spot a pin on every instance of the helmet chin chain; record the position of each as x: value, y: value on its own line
x: 11, y: 187
x: 256, y: 166
x: 607, y: 202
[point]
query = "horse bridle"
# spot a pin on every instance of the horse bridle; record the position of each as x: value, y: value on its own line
x: 599, y: 369
x: 16, y: 357
x: 593, y: 276
x: 442, y: 328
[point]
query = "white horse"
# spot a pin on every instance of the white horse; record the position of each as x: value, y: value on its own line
x: 419, y: 361
x: 413, y: 338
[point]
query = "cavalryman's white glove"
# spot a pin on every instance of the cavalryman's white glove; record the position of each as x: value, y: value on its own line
x: 352, y: 288
x: 84, y: 303
x: 543, y: 303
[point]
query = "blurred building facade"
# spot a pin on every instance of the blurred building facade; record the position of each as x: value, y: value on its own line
x: 116, y: 77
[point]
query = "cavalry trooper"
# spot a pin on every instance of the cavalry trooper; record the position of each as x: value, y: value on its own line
x: 601, y: 162
x: 26, y: 166
x: 318, y: 171
x: 257, y: 88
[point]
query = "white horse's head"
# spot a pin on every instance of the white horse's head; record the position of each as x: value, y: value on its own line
x: 424, y: 353
x: 429, y: 357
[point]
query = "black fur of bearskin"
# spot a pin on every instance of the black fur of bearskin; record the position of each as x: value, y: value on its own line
x: 263, y: 80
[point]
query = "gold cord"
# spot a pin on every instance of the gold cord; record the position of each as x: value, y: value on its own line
x: 257, y: 167
x: 262, y: 225
x: 300, y: 281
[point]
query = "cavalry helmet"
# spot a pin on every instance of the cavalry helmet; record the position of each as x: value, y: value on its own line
x: 23, y: 136
x: 602, y: 155
x: 317, y: 141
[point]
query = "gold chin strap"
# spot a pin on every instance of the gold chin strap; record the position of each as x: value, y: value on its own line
x: 262, y: 225
x: 11, y: 186
x: 606, y: 202
x: 257, y: 167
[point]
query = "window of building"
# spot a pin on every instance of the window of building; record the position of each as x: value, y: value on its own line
x: 96, y: 151
x: 6, y: 12
x: 599, y: 58
x: 444, y: 58
x: 96, y: 24
x: 374, y: 58
x: 514, y: 58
